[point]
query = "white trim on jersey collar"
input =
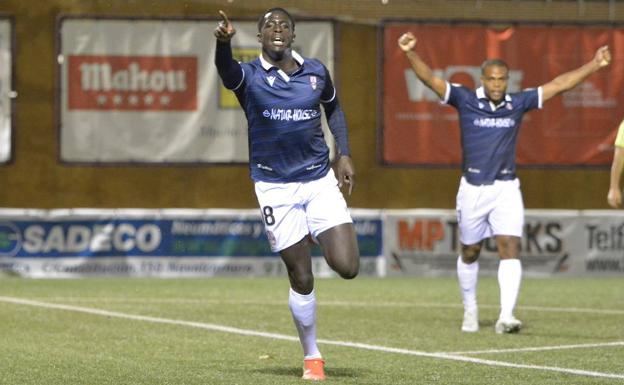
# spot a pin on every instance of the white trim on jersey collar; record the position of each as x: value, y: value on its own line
x: 480, y: 92
x: 267, y: 66
x: 298, y: 58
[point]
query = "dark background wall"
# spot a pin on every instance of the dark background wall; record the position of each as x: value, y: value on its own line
x: 36, y: 179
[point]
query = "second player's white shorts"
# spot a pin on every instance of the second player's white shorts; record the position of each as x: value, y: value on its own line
x: 486, y: 210
x: 293, y: 210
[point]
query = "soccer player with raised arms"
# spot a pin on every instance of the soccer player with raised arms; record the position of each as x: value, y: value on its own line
x: 489, y: 200
x: 299, y: 194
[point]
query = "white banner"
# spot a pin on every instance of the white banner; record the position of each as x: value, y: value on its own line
x: 555, y: 242
x: 6, y: 91
x: 148, y: 90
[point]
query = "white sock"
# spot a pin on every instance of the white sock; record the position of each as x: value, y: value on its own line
x: 509, y: 277
x: 303, y: 309
x: 468, y: 275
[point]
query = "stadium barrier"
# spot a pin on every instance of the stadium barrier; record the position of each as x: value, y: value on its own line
x: 71, y: 243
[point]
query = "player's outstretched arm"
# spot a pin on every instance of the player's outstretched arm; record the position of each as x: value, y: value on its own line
x: 614, y: 197
x: 571, y: 79
x: 229, y: 69
x: 407, y: 42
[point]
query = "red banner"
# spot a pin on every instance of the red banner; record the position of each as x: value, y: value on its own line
x: 573, y: 129
x: 107, y: 82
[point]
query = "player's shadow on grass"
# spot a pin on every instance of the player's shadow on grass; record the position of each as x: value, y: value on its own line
x: 297, y: 371
x: 485, y: 324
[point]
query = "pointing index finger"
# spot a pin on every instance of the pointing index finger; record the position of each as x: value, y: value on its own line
x: 224, y: 17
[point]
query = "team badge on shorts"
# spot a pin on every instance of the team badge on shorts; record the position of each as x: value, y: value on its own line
x: 271, y: 238
x: 313, y: 82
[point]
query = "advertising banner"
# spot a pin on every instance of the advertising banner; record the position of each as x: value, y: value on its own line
x: 555, y: 242
x: 604, y: 240
x: 576, y: 128
x: 158, y: 243
x: 225, y: 242
x: 6, y: 90
x: 148, y: 90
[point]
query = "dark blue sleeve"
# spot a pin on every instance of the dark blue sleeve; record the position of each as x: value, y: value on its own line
x: 335, y: 116
x: 230, y: 70
x: 457, y: 94
x: 531, y: 99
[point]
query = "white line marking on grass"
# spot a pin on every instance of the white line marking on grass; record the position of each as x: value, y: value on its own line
x: 332, y: 303
x: 459, y: 305
x: 456, y: 357
x: 540, y: 348
x: 569, y: 310
x: 200, y: 325
x: 232, y: 330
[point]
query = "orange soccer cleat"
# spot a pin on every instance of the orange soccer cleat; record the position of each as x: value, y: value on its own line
x: 313, y: 369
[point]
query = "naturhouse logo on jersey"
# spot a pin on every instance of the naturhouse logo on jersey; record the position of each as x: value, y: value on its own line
x: 132, y: 83
x: 227, y: 99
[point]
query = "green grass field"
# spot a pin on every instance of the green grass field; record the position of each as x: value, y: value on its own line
x: 371, y: 331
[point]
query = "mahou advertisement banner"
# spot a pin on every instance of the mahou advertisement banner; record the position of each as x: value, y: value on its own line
x: 576, y: 128
x: 132, y: 83
x: 6, y: 91
x: 148, y: 90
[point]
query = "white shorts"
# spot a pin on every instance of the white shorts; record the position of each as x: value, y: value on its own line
x: 293, y: 210
x: 486, y: 210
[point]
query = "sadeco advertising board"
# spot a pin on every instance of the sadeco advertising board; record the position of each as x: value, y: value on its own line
x: 157, y: 243
x: 133, y: 238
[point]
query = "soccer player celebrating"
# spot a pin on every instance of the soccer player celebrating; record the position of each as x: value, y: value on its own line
x: 299, y: 195
x: 489, y: 201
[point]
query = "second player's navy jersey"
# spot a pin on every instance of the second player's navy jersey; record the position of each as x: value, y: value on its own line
x: 489, y: 132
x: 286, y: 142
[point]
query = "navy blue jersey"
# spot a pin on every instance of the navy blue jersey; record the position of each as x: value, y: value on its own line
x: 489, y: 132
x: 286, y: 142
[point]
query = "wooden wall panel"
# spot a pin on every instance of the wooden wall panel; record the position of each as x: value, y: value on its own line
x: 36, y: 179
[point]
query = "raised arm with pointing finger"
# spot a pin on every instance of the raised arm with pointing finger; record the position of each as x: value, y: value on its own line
x: 225, y: 30
x: 229, y: 69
